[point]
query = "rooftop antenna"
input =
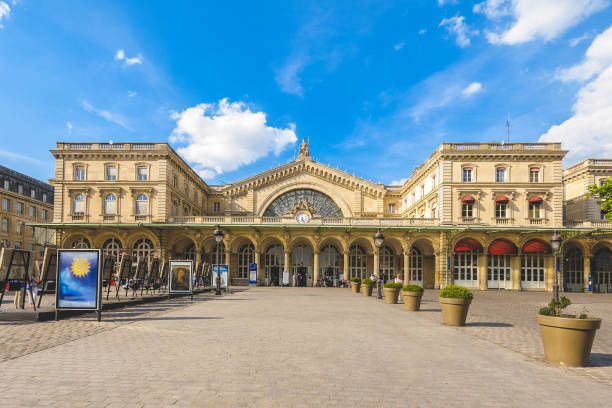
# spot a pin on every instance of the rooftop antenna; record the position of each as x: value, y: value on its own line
x: 508, y: 127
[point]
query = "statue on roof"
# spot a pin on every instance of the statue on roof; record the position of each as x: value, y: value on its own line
x: 304, y: 151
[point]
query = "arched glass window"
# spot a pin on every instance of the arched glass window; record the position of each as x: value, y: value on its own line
x: 329, y: 262
x: 143, y: 248
x: 246, y: 256
x: 574, y: 271
x: 315, y: 201
x: 81, y: 243
x: 112, y: 246
x: 110, y: 204
x: 142, y: 205
x: 357, y: 262
x: 387, y: 262
x: 213, y: 255
x: 415, y: 266
x: 78, y: 206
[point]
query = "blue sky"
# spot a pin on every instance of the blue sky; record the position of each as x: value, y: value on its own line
x: 374, y: 85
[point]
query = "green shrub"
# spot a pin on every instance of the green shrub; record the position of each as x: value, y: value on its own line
x: 367, y: 281
x: 456, y: 292
x: 412, y: 288
x: 356, y: 279
x: 555, y: 309
x: 393, y: 285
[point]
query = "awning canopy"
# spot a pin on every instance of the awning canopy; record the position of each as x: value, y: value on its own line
x: 536, y: 245
x: 535, y: 199
x: 468, y: 245
x: 501, y: 199
x: 502, y: 247
x: 468, y: 199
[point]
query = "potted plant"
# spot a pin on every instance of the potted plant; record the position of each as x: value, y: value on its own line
x: 366, y: 287
x: 355, y: 284
x: 567, y: 339
x: 392, y: 290
x: 412, y: 297
x: 455, y: 301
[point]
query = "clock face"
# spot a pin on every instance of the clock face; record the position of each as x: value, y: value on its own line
x: 302, y: 218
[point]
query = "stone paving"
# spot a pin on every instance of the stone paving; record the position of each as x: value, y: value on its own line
x: 286, y: 347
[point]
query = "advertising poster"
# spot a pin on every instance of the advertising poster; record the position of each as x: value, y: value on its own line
x: 78, y: 279
x: 213, y: 278
x: 180, y: 277
x: 253, y: 273
x: 285, y: 278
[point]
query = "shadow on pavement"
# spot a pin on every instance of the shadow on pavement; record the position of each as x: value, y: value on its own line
x: 601, y: 360
x: 489, y: 324
x: 139, y: 319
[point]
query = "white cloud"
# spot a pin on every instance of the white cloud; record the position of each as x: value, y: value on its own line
x: 399, y: 182
x: 104, y: 114
x: 19, y: 157
x: 422, y: 31
x: 132, y: 94
x: 577, y: 40
x: 444, y: 2
x: 399, y: 46
x: 69, y: 127
x: 5, y: 12
x: 456, y: 25
x: 588, y: 132
x: 120, y: 56
x: 288, y: 76
x: 472, y: 89
x: 224, y: 136
x: 543, y: 19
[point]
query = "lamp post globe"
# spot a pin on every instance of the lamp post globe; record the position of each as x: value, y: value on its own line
x: 555, y: 243
x: 218, y: 234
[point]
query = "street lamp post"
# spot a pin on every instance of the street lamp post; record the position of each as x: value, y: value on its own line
x: 378, y: 241
x: 555, y: 242
x: 218, y: 234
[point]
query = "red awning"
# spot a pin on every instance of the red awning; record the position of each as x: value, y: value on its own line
x: 468, y: 199
x: 535, y: 199
x: 502, y: 247
x: 502, y: 199
x: 536, y: 245
x: 468, y: 245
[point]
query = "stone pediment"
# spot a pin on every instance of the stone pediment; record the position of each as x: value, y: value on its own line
x: 305, y: 166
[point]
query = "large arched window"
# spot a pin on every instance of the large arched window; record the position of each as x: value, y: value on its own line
x: 143, y: 248
x: 357, y: 262
x: 78, y: 205
x: 415, y: 266
x: 602, y: 271
x: 314, y: 201
x: 81, y: 243
x: 246, y: 256
x: 142, y: 205
x: 329, y: 262
x: 112, y: 246
x: 110, y: 204
x: 387, y: 259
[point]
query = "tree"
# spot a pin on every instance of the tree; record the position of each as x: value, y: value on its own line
x: 604, y: 192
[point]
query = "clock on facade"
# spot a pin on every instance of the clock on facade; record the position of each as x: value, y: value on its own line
x: 302, y: 218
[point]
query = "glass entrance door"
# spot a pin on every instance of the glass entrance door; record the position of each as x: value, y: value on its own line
x: 499, y: 274
x: 303, y: 275
x: 574, y: 271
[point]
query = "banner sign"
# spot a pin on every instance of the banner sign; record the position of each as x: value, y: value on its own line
x: 224, y: 270
x: 285, y: 277
x: 181, y: 279
x: 253, y: 273
x: 79, y: 280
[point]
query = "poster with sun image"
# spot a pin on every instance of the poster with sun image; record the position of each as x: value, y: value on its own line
x: 78, y: 279
x: 180, y: 277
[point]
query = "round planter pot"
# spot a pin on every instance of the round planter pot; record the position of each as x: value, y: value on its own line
x: 366, y: 290
x: 355, y: 287
x: 567, y: 340
x: 454, y: 311
x: 412, y: 301
x: 391, y: 295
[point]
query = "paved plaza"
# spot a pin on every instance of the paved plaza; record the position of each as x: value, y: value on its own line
x: 299, y: 347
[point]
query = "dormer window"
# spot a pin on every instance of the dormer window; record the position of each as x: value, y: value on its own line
x: 500, y: 175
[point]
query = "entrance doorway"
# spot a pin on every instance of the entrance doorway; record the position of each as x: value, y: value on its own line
x: 275, y: 275
x: 303, y: 276
x: 574, y: 271
x: 498, y: 272
x: 301, y: 261
x: 602, y: 271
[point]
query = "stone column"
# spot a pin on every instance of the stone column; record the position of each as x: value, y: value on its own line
x: 549, y: 272
x: 345, y: 266
x: 437, y: 266
x: 587, y: 271
x: 260, y: 269
x: 515, y: 266
x: 482, y: 272
x: 315, y: 267
x: 376, y: 263
x: 198, y: 259
x: 406, y: 265
x: 288, y: 266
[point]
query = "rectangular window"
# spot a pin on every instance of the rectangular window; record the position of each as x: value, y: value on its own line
x: 6, y: 204
x: 43, y: 214
x: 500, y: 210
x: 467, y: 210
x: 111, y: 173
x: 5, y: 225
x: 433, y: 181
x: 534, y: 210
x: 32, y: 211
x: 216, y: 206
x: 20, y: 189
x: 467, y: 175
x: 174, y: 209
x: 32, y: 193
x: 143, y: 173
x: 534, y: 175
x: 602, y: 182
x: 79, y: 173
x: 7, y: 185
x: 186, y: 190
x: 433, y: 212
x: 391, y: 208
x: 500, y: 175
x: 174, y: 181
x: 44, y: 197
x: 5, y: 243
x: 19, y: 227
x: 422, y: 191
x: 19, y: 208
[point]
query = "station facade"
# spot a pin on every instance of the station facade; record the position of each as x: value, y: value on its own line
x: 475, y: 214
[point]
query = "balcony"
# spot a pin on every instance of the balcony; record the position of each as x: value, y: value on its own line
x: 349, y: 221
x: 588, y: 224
